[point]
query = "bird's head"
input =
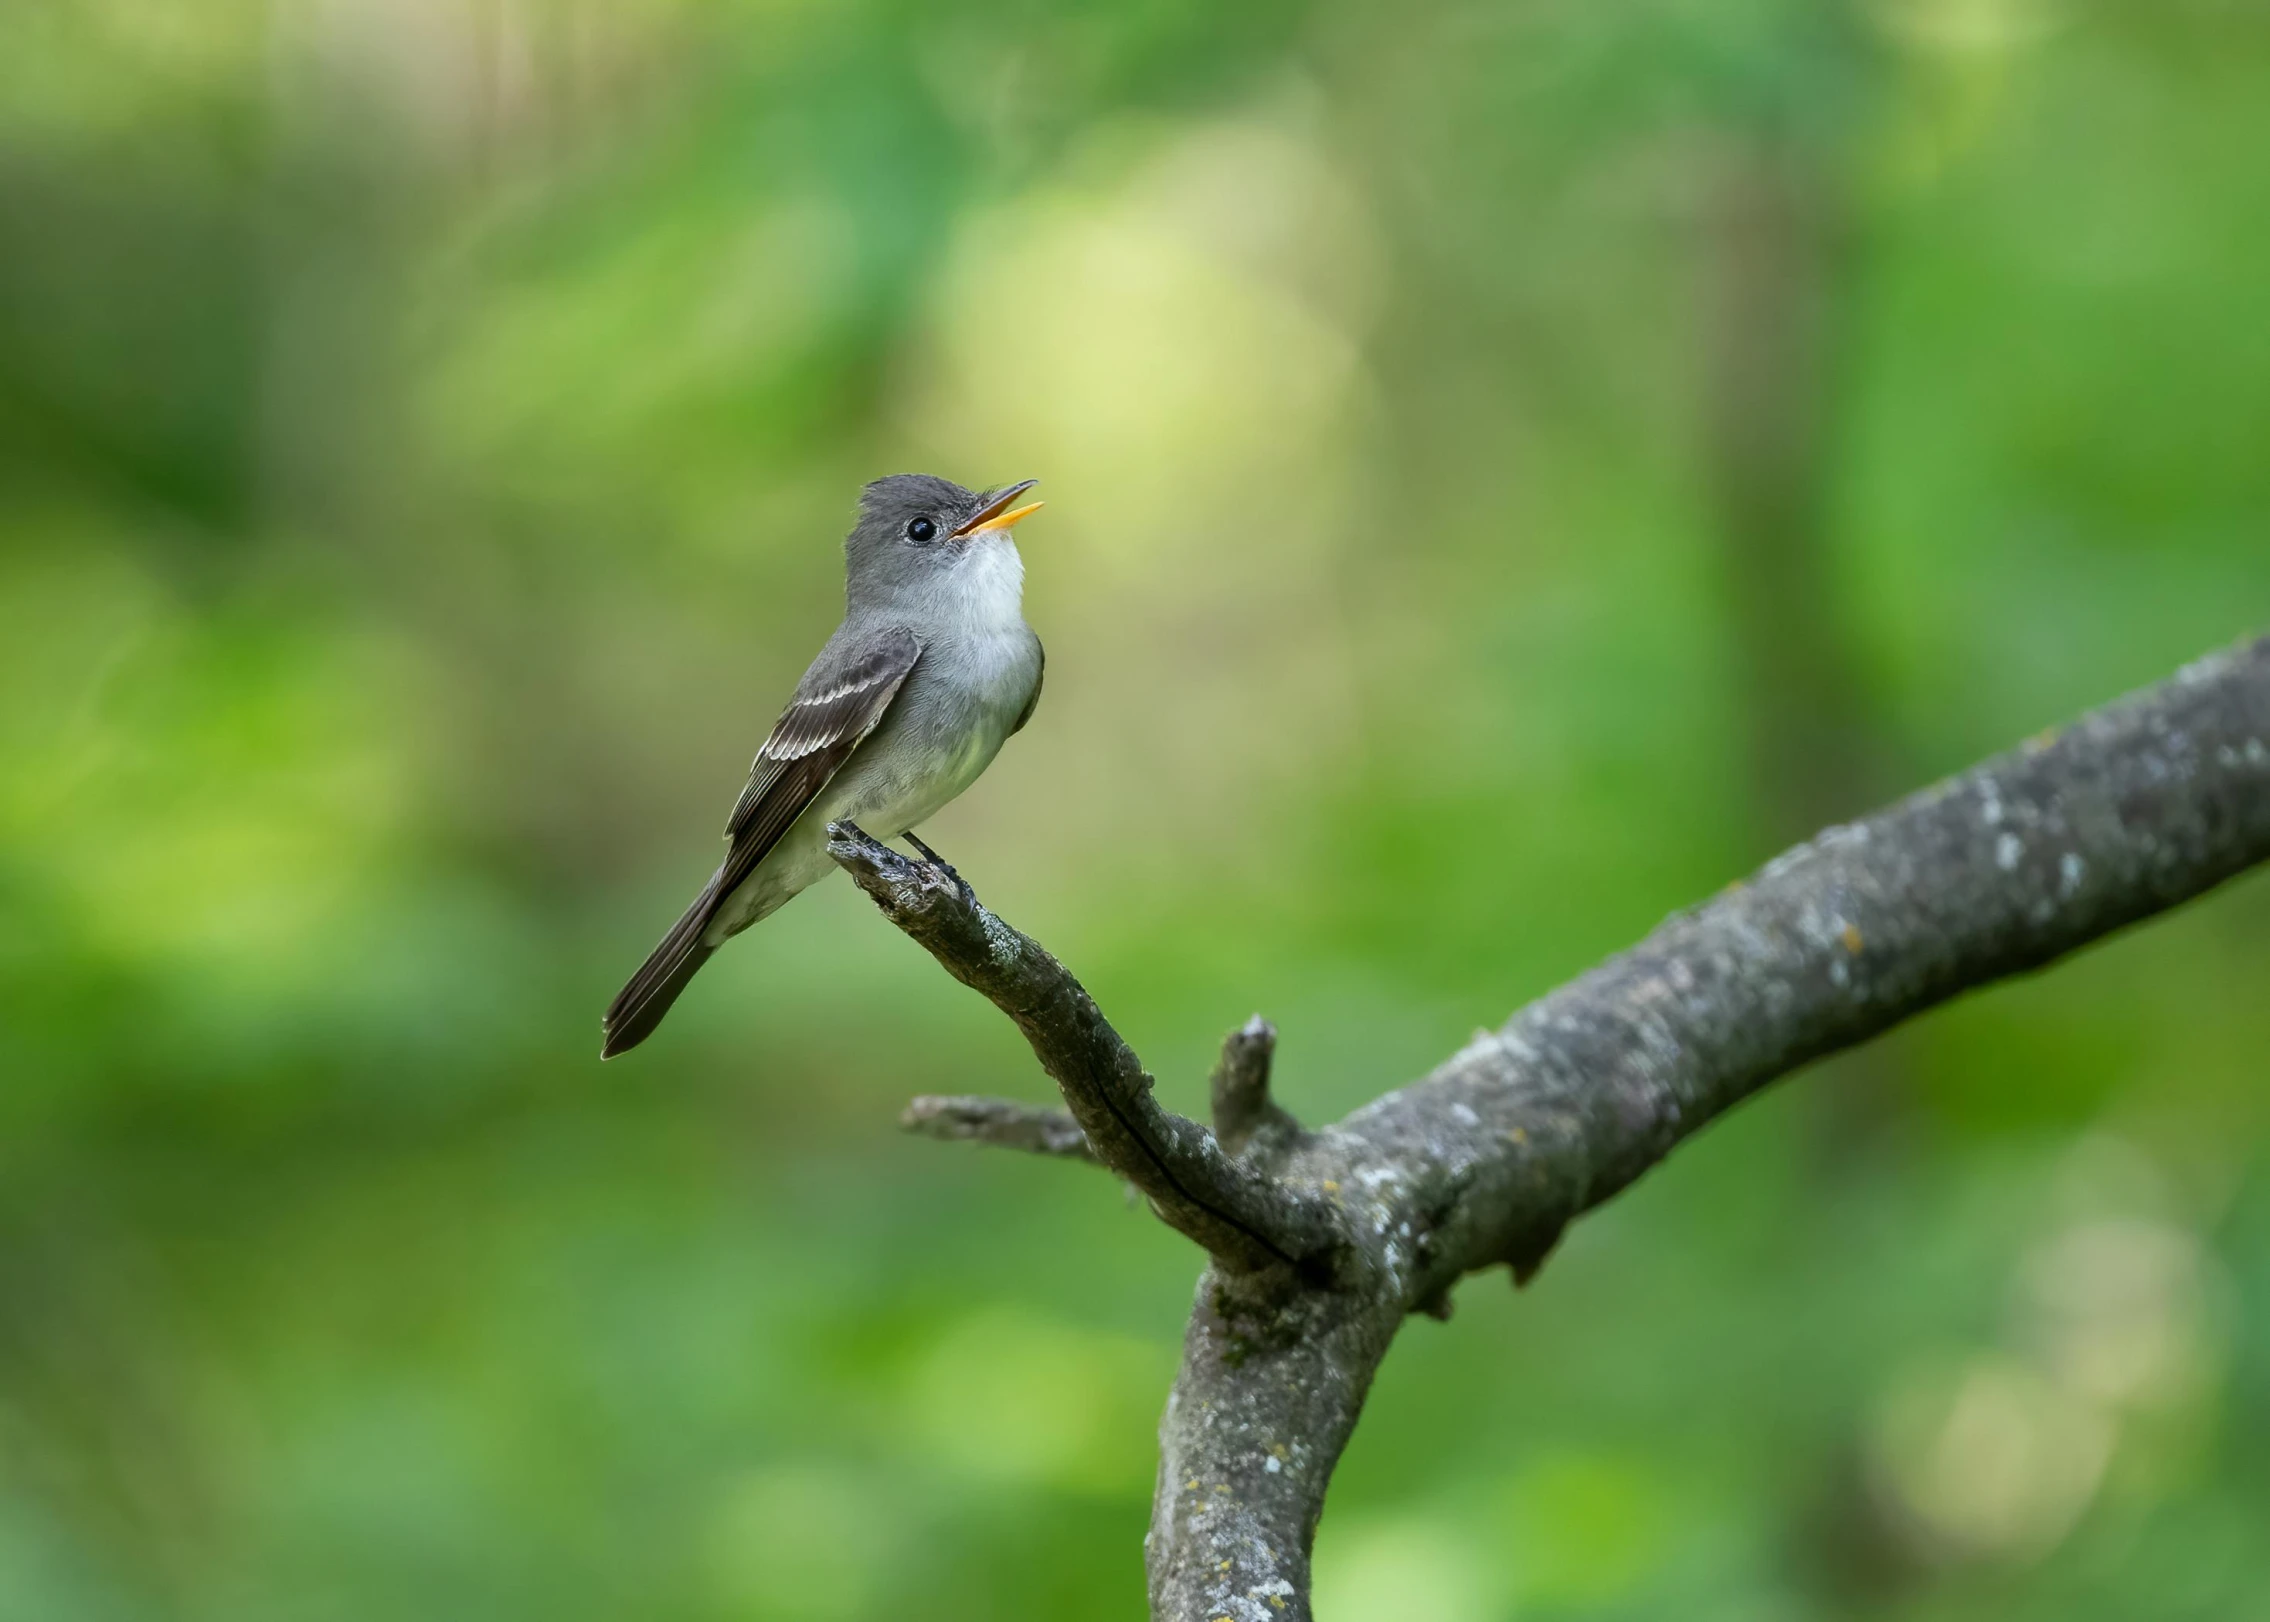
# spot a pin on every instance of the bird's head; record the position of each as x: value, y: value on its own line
x: 925, y: 539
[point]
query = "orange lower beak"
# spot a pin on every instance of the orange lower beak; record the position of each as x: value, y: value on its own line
x: 997, y: 513
x: 1007, y: 520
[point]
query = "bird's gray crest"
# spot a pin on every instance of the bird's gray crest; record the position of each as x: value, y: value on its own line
x: 894, y: 502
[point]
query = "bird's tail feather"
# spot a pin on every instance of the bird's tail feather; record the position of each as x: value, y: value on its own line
x: 640, y: 1005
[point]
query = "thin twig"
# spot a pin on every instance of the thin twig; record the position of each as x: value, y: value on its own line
x: 1002, y: 1122
x: 1240, y: 1088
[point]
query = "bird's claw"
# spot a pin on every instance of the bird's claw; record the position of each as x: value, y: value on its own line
x: 968, y: 895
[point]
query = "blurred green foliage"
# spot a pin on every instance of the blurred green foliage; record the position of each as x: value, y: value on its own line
x: 1474, y: 433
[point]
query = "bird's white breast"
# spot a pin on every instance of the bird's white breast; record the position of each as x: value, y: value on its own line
x: 979, y: 664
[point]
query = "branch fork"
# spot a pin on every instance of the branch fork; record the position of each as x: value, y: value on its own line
x: 1322, y: 1243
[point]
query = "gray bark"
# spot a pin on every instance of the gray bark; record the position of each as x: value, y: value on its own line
x: 1323, y: 1242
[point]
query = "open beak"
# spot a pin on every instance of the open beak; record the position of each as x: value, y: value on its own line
x: 998, y: 514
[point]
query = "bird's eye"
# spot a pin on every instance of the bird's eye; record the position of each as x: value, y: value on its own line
x: 921, y: 530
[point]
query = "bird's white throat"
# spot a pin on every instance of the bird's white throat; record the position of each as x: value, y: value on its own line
x: 984, y: 591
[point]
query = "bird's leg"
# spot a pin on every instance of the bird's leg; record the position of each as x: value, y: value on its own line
x: 942, y: 865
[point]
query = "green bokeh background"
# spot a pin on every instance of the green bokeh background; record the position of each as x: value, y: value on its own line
x: 1511, y: 467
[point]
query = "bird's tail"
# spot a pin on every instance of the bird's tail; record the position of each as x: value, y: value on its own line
x: 640, y: 1005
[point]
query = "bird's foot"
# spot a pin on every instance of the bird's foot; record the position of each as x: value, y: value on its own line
x: 942, y: 865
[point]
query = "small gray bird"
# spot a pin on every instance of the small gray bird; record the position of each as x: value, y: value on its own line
x: 931, y: 670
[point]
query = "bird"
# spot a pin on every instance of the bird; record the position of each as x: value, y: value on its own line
x: 931, y: 671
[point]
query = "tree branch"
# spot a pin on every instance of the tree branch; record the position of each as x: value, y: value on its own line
x: 2130, y: 811
x: 1244, y: 1218
x: 1002, y: 1122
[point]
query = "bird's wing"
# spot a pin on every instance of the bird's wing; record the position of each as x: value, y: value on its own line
x: 840, y: 700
